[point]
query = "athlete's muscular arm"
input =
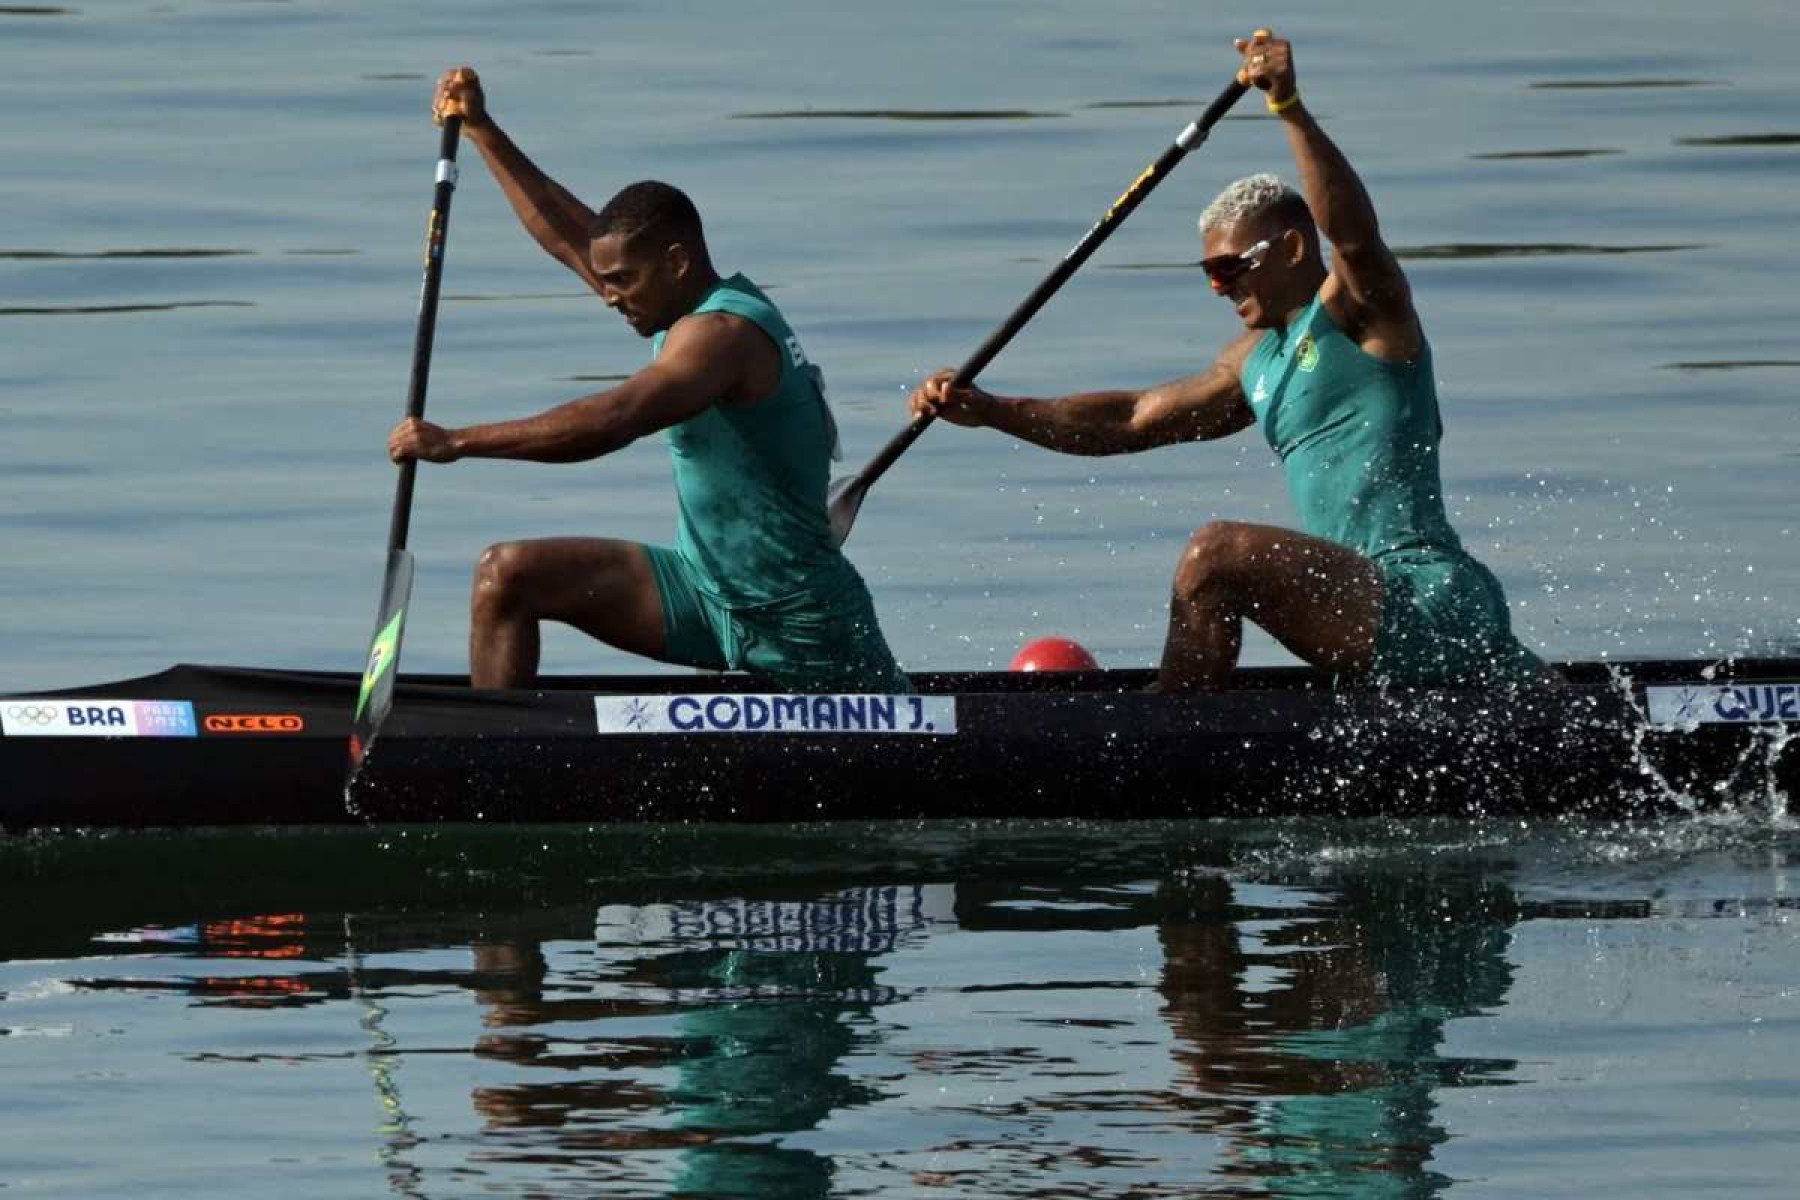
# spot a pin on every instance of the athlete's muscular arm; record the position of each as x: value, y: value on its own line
x: 1200, y: 407
x: 705, y: 358
x: 550, y: 212
x: 1367, y: 290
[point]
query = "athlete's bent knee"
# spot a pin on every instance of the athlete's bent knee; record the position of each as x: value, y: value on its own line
x: 499, y: 573
x: 1213, y: 559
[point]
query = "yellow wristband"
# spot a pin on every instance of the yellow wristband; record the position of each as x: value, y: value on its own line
x: 1281, y: 106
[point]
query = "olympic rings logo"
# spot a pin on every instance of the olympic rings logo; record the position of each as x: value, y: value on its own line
x: 33, y: 714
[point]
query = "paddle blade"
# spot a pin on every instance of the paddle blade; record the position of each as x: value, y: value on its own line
x: 376, y: 696
x: 842, y: 504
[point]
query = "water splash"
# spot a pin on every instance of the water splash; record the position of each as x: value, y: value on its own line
x: 1750, y: 788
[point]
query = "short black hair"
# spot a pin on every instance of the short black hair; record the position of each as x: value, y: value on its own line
x: 649, y: 207
x: 1290, y: 212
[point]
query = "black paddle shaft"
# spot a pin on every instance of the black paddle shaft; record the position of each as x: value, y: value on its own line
x: 435, y: 233
x: 1195, y: 134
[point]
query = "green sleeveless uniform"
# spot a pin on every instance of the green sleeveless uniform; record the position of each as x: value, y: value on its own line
x: 1358, y: 438
x: 754, y: 581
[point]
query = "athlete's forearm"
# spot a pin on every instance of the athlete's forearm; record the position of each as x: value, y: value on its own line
x: 1091, y: 423
x: 550, y: 212
x: 574, y: 432
x: 1335, y: 194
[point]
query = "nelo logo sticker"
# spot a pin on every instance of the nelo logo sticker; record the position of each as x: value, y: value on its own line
x: 253, y: 723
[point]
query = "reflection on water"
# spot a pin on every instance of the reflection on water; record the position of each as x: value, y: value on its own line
x: 713, y: 1046
x: 713, y: 1028
x: 1303, y: 1031
x: 1008, y: 1010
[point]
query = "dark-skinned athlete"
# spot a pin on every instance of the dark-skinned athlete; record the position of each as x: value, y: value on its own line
x: 753, y: 580
x: 1335, y: 367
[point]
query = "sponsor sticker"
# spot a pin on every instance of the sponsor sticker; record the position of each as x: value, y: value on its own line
x: 25, y: 717
x: 759, y: 713
x: 1723, y: 703
x: 253, y: 723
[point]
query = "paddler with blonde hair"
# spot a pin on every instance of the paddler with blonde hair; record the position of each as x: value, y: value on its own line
x: 1335, y: 367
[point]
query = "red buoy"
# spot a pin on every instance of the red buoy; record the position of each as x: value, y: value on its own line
x: 1055, y: 654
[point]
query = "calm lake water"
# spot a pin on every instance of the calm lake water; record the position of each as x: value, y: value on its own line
x: 208, y: 270
x: 921, y: 1010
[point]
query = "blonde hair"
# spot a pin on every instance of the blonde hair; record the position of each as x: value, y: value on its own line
x: 1248, y: 199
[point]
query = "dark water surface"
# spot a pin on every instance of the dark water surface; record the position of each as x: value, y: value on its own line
x: 1303, y: 1009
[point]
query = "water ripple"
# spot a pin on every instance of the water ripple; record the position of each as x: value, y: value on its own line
x: 1731, y: 364
x: 1172, y: 102
x: 487, y: 298
x: 149, y: 252
x: 1535, y: 249
x: 898, y: 114
x: 68, y: 310
x: 1743, y: 139
x: 1507, y: 155
x: 1609, y: 84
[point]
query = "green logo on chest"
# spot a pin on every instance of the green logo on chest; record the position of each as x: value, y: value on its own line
x: 1306, y: 353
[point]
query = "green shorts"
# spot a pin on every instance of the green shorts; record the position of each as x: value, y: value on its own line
x: 1444, y: 622
x: 817, y: 642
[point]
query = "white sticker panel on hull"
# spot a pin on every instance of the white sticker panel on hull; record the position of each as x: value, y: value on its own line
x: 834, y: 713
x: 26, y: 717
x: 1723, y: 703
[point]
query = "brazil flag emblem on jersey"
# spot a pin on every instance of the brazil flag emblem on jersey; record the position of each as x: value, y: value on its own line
x: 1306, y: 353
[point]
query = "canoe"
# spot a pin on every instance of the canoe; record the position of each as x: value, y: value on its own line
x: 201, y: 745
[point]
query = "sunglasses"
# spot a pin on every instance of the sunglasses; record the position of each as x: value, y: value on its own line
x: 1223, y: 270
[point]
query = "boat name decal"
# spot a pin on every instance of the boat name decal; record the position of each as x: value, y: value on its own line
x: 1723, y: 703
x: 25, y: 717
x: 760, y: 713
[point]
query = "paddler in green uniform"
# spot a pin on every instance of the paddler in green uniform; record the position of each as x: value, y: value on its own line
x: 753, y: 581
x: 1336, y: 368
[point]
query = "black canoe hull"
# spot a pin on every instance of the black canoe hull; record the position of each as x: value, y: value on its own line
x: 270, y: 747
